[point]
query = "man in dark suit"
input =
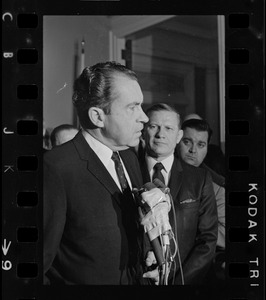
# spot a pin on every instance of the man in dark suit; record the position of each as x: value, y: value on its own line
x: 90, y: 217
x: 192, y: 192
x: 193, y: 150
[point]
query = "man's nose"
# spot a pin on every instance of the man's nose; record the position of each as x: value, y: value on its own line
x: 160, y: 132
x: 143, y: 116
x: 192, y: 148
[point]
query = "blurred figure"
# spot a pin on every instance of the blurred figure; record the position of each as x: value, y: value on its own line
x: 62, y: 133
x: 192, y: 116
x: 46, y: 139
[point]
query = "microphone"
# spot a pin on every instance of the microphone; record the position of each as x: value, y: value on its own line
x: 165, y: 190
x: 145, y: 207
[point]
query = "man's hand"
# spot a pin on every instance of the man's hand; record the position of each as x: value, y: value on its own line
x: 154, y: 274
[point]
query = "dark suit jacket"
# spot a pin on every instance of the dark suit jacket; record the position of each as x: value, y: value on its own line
x: 196, y: 218
x: 216, y: 178
x: 87, y: 237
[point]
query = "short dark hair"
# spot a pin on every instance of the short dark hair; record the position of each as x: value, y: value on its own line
x: 199, y: 125
x: 160, y: 107
x: 57, y: 130
x: 94, y: 88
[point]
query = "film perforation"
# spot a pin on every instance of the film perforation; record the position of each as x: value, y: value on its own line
x: 28, y: 92
x: 27, y: 56
x: 27, y: 270
x: 27, y: 127
x: 238, y: 20
x: 238, y: 234
x: 239, y: 163
x: 239, y: 91
x: 27, y: 20
x: 27, y: 234
x: 238, y: 270
x: 238, y: 56
x: 27, y: 163
x: 238, y: 217
x: 27, y: 199
x: 238, y: 127
x: 238, y: 198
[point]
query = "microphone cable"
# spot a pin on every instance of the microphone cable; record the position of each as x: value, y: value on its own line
x: 177, y: 250
x: 166, y: 190
x: 164, y: 238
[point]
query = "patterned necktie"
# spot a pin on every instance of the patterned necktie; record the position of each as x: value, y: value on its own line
x: 120, y: 172
x: 129, y: 217
x: 157, y: 172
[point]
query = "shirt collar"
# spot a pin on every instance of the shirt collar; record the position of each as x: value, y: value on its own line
x: 167, y: 163
x: 102, y: 151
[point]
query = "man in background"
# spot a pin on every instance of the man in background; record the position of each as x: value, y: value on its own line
x: 62, y: 134
x: 214, y: 159
x: 193, y: 149
x: 195, y: 218
x: 90, y: 217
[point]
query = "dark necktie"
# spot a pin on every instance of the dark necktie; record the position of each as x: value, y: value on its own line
x: 157, y: 172
x: 120, y: 172
x: 129, y: 221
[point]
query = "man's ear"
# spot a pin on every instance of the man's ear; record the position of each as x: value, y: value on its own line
x: 179, y: 136
x: 96, y: 115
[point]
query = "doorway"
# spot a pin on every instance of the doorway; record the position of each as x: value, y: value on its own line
x: 178, y: 61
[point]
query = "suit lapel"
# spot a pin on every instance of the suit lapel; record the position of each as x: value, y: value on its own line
x: 132, y: 170
x: 94, y: 164
x: 176, y: 178
x: 96, y: 168
x: 144, y: 169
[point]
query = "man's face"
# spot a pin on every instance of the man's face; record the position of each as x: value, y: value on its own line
x: 193, y: 146
x: 123, y: 126
x: 162, y: 134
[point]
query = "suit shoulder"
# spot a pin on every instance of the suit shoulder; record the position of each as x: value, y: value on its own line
x: 130, y: 158
x: 59, y: 153
x: 129, y: 154
x: 217, y: 178
x: 200, y: 174
x: 193, y: 169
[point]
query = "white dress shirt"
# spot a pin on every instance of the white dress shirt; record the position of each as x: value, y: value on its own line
x: 167, y: 164
x: 105, y: 153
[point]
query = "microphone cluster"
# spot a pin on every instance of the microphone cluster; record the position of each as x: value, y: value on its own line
x: 155, y: 203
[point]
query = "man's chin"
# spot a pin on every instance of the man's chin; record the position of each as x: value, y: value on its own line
x: 134, y: 144
x: 190, y: 162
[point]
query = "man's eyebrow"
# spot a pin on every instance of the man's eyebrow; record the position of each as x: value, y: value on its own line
x: 134, y: 103
x: 203, y: 142
x: 171, y: 125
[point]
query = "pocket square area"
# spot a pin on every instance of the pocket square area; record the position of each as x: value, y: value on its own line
x: 188, y: 201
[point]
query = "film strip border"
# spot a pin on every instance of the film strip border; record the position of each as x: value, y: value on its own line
x: 21, y: 159
x: 22, y: 154
x: 244, y: 147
